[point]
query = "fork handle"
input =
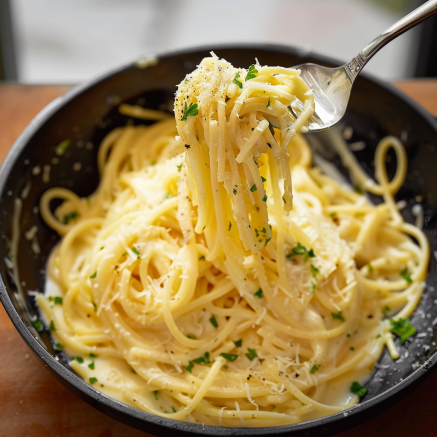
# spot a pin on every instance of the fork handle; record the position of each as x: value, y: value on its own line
x: 420, y: 14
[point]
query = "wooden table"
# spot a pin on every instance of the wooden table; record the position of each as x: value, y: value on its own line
x: 33, y: 403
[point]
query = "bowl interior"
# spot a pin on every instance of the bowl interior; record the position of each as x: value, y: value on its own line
x: 84, y: 116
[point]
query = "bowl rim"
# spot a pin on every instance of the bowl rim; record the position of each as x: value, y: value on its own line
x: 125, y: 412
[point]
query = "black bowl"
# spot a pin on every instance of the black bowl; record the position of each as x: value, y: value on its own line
x: 87, y: 113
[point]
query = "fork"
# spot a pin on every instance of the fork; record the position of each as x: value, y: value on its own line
x: 332, y: 86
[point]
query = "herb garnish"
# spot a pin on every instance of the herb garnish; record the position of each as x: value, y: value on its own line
x: 268, y: 103
x: 264, y: 199
x: 253, y: 188
x: 38, y: 325
x: 56, y: 299
x: 357, y: 389
x: 301, y: 250
x: 70, y: 216
x: 78, y: 359
x: 338, y: 316
x: 62, y: 147
x: 59, y: 346
x: 91, y: 355
x: 252, y: 73
x: 192, y: 336
x: 406, y: 275
x: 202, y: 258
x: 314, y: 368
x: 237, y: 82
x: 190, y: 110
x: 229, y: 357
x: 259, y: 294
x: 52, y: 326
x: 136, y: 252
x: 314, y: 271
x: 272, y: 131
x: 179, y: 167
x: 93, y: 380
x: 189, y: 368
x: 213, y: 321
x: 234, y: 191
x: 202, y: 360
x: 91, y: 365
x: 94, y: 275
x: 251, y: 354
x: 402, y: 328
x: 155, y: 392
x: 238, y: 343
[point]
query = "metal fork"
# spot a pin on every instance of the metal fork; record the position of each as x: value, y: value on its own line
x: 332, y: 86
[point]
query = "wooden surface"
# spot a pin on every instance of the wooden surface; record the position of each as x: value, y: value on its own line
x: 33, y: 403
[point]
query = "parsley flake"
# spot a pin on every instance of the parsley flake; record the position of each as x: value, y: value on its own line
x: 264, y: 199
x: 338, y: 316
x: 237, y: 82
x: 234, y: 191
x: 213, y: 321
x: 253, y: 188
x: 62, y: 147
x: 91, y: 365
x: 190, y: 110
x: 136, y: 252
x: 358, y: 189
x: 155, y: 392
x: 202, y: 258
x: 301, y: 250
x: 357, y: 389
x: 229, y: 357
x: 56, y: 299
x: 263, y: 179
x: 252, y: 73
x: 251, y: 354
x: 402, y: 328
x: 94, y: 275
x: 93, y: 380
x: 268, y: 102
x: 238, y: 343
x: 59, y: 346
x: 259, y: 294
x: 38, y: 325
x: 78, y: 359
x: 91, y: 355
x: 203, y: 360
x: 52, y: 326
x: 192, y: 336
x: 406, y: 275
x: 70, y: 216
x: 271, y: 129
x: 314, y: 271
x: 179, y: 167
x: 314, y: 368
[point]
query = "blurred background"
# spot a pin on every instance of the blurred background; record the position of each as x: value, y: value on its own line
x: 69, y: 41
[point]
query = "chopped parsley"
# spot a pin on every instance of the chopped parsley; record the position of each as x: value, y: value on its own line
x: 102, y: 247
x: 338, y: 316
x: 386, y: 309
x: 59, y: 346
x: 234, y: 191
x: 251, y: 354
x: 314, y: 271
x: 313, y: 288
x: 263, y: 179
x: 56, y: 299
x: 136, y: 252
x: 62, y: 147
x: 173, y: 409
x: 94, y: 306
x: 38, y: 325
x: 192, y: 336
x: 189, y: 368
x: 91, y: 355
x: 402, y: 328
x: 190, y: 110
x: 94, y: 275
x: 238, y: 343
x: 314, y: 368
x: 259, y: 294
x: 229, y: 357
x: 155, y: 392
x: 202, y: 258
x: 271, y: 129
x: 179, y: 167
x: 357, y: 389
x: 369, y: 267
x: 203, y: 360
x: 333, y: 214
x: 213, y: 321
x: 52, y: 326
x: 78, y: 359
x: 264, y: 199
x: 252, y: 73
x: 268, y: 103
x: 91, y: 365
x: 68, y: 217
x: 406, y: 275
x: 93, y: 380
x: 301, y: 250
x: 237, y: 82
x: 253, y: 188
x: 358, y: 189
x: 168, y: 196
x: 351, y: 348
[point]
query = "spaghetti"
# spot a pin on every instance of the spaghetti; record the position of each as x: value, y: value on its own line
x: 198, y: 284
